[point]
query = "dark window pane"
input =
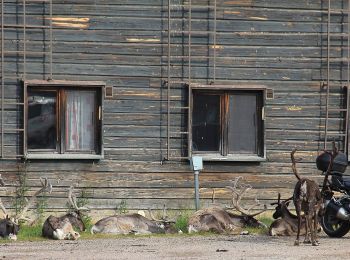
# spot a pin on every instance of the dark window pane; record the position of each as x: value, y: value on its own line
x: 242, y: 125
x: 206, y: 122
x: 80, y: 120
x: 41, y: 120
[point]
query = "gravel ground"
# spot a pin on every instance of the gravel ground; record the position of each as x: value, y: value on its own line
x: 179, y: 247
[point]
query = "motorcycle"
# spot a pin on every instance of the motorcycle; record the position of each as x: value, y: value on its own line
x: 335, y: 191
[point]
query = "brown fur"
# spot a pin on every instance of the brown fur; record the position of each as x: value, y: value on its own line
x: 127, y: 224
x: 65, y: 224
x: 218, y: 220
x: 307, y: 198
x: 286, y: 223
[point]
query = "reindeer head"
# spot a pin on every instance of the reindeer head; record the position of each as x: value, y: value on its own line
x: 165, y: 223
x: 20, y: 216
x: 238, y: 189
x: 280, y: 206
x: 11, y: 228
x: 76, y: 216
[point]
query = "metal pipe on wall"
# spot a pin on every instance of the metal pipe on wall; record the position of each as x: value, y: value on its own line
x: 2, y: 78
x: 169, y: 83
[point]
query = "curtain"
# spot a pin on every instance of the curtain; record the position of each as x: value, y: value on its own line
x: 80, y: 120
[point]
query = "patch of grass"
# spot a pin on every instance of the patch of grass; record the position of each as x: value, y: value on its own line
x: 267, y: 220
x: 30, y: 233
x: 182, y: 222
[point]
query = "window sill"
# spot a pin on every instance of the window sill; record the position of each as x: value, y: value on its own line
x: 64, y: 156
x: 231, y: 158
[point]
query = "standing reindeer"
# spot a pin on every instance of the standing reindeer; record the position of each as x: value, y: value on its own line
x: 286, y: 223
x: 9, y: 227
x: 307, y: 198
x: 63, y: 227
x: 219, y: 220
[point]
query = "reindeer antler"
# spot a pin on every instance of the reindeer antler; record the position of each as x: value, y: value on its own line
x: 165, y: 217
x: 73, y: 200
x: 45, y: 187
x: 2, y: 184
x: 237, y: 192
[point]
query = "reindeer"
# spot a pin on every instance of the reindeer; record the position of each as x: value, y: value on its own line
x: 286, y: 223
x: 307, y: 198
x: 219, y: 220
x: 63, y: 227
x: 9, y: 227
x: 133, y: 224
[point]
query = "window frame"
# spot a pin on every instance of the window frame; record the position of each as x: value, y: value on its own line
x: 219, y: 156
x: 59, y: 86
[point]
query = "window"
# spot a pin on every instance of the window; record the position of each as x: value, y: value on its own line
x: 63, y: 120
x: 227, y: 123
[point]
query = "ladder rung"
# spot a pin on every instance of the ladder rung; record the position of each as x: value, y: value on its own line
x: 12, y: 130
x: 27, y: 26
x: 337, y: 109
x: 336, y: 84
x: 339, y: 11
x: 177, y: 158
x: 336, y: 134
x: 187, y: 32
x: 182, y: 133
x: 192, y: 6
x: 338, y: 35
x: 27, y: 52
x: 178, y: 82
x: 12, y: 158
x: 38, y: 1
x: 13, y: 103
x: 179, y: 107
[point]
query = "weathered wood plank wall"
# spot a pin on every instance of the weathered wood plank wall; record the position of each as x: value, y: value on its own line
x: 281, y: 44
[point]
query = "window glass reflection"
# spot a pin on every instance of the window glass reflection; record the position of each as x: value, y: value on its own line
x: 206, y: 122
x: 41, y: 120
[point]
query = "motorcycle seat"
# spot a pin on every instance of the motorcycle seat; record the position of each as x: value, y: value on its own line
x: 342, y: 182
x: 346, y: 181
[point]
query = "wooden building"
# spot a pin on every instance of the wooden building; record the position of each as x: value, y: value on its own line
x: 114, y: 97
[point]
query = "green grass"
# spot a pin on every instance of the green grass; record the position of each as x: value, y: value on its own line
x: 33, y: 233
x: 30, y: 233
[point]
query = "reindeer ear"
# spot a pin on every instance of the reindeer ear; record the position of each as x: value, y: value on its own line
x: 287, y: 203
x: 74, y: 214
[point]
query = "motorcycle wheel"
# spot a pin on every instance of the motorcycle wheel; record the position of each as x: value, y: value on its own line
x: 333, y: 226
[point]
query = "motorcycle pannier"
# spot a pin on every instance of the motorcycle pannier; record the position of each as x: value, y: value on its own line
x: 339, y: 164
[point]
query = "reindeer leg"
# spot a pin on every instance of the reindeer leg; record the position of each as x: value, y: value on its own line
x: 307, y: 229
x: 314, y: 230
x: 298, y: 208
x: 316, y: 227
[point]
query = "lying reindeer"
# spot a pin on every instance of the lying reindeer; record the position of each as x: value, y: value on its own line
x: 9, y: 226
x: 63, y: 227
x: 219, y: 220
x: 286, y: 223
x: 132, y: 224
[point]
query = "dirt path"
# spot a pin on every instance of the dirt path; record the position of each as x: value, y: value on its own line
x: 179, y: 247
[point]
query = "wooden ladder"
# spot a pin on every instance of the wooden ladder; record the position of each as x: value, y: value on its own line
x: 341, y: 82
x: 175, y: 102
x: 10, y: 104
